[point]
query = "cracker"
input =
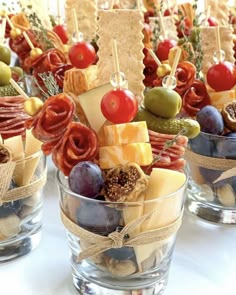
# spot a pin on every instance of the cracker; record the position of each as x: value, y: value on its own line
x: 125, y: 26
x: 40, y: 7
x: 219, y: 10
x: 86, y: 12
x: 169, y: 25
x: 208, y: 44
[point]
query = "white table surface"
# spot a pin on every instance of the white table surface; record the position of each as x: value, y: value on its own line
x: 204, y: 261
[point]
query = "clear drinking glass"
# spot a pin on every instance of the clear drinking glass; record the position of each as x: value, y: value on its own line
x: 207, y: 198
x: 141, y: 269
x: 20, y: 219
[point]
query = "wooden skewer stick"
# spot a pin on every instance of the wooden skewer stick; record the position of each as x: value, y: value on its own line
x: 28, y: 40
x: 208, y: 12
x: 218, y: 42
x: 162, y: 26
x: 139, y: 6
x: 155, y: 58
x: 205, y: 5
x: 116, y: 60
x: 2, y: 31
x: 18, y: 89
x: 58, y: 12
x: 75, y: 21
x: 112, y: 4
x: 174, y: 66
x: 9, y: 22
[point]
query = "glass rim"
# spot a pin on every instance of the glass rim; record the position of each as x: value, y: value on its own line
x: 68, y: 191
x: 34, y: 155
x: 217, y: 136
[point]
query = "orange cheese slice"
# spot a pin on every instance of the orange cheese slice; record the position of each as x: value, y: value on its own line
x: 119, y: 134
x: 113, y: 156
x: 218, y: 99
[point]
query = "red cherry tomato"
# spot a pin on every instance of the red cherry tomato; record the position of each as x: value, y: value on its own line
x: 82, y: 55
x: 61, y: 32
x: 212, y: 21
x: 164, y: 47
x: 119, y: 106
x: 220, y: 77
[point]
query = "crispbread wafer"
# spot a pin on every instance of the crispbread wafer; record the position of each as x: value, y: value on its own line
x: 219, y: 10
x: 208, y: 45
x: 169, y: 25
x: 126, y: 28
x: 86, y: 12
x: 40, y: 8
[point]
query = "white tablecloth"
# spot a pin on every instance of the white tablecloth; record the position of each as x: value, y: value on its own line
x: 204, y: 261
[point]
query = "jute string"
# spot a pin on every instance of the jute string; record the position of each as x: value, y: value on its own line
x: 120, y: 239
x: 226, y: 165
x: 6, y: 172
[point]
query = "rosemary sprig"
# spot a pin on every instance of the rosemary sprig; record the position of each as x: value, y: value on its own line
x: 50, y: 83
x: 40, y: 31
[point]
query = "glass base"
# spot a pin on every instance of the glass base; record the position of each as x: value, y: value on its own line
x: 18, y: 247
x: 209, y: 212
x: 84, y: 287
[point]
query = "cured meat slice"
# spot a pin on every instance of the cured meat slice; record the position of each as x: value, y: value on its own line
x: 51, y: 121
x: 79, y: 143
x: 170, y: 157
x: 12, y: 116
x: 195, y: 98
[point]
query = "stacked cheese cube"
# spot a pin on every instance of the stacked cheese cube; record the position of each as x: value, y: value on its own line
x: 125, y: 143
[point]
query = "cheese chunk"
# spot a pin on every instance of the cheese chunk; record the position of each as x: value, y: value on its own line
x: 90, y: 102
x: 113, y: 156
x: 119, y: 134
x: 218, y: 99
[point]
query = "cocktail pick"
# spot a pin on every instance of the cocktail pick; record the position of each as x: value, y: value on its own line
x: 77, y: 36
x: 18, y: 89
x: 219, y: 55
x: 117, y: 78
x: 2, y: 30
x: 162, y: 26
x: 169, y: 81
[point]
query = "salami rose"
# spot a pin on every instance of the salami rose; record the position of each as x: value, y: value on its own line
x: 195, y: 98
x: 149, y: 70
x: 50, y: 123
x: 50, y: 61
x: 20, y: 46
x: 79, y: 143
x: 185, y: 75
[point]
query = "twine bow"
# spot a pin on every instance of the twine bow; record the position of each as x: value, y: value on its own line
x: 100, y: 244
x: 228, y: 166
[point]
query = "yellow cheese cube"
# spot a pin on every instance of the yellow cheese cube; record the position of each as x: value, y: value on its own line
x: 119, y: 134
x: 113, y: 156
x: 218, y: 99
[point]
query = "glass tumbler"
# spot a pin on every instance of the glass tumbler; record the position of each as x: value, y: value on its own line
x: 121, y: 267
x: 21, y: 206
x: 212, y: 184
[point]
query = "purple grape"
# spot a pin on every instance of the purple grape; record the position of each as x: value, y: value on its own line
x: 86, y: 179
x: 123, y: 253
x: 210, y: 120
x: 98, y: 218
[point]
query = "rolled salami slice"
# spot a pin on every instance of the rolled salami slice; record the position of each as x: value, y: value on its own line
x: 195, y: 98
x: 79, y: 143
x: 50, y: 123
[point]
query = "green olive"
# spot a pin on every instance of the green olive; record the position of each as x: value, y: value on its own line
x: 5, y: 74
x: 5, y: 54
x: 163, y: 102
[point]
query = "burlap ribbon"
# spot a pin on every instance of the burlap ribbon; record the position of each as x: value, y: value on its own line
x: 226, y: 165
x: 120, y: 239
x: 6, y: 172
